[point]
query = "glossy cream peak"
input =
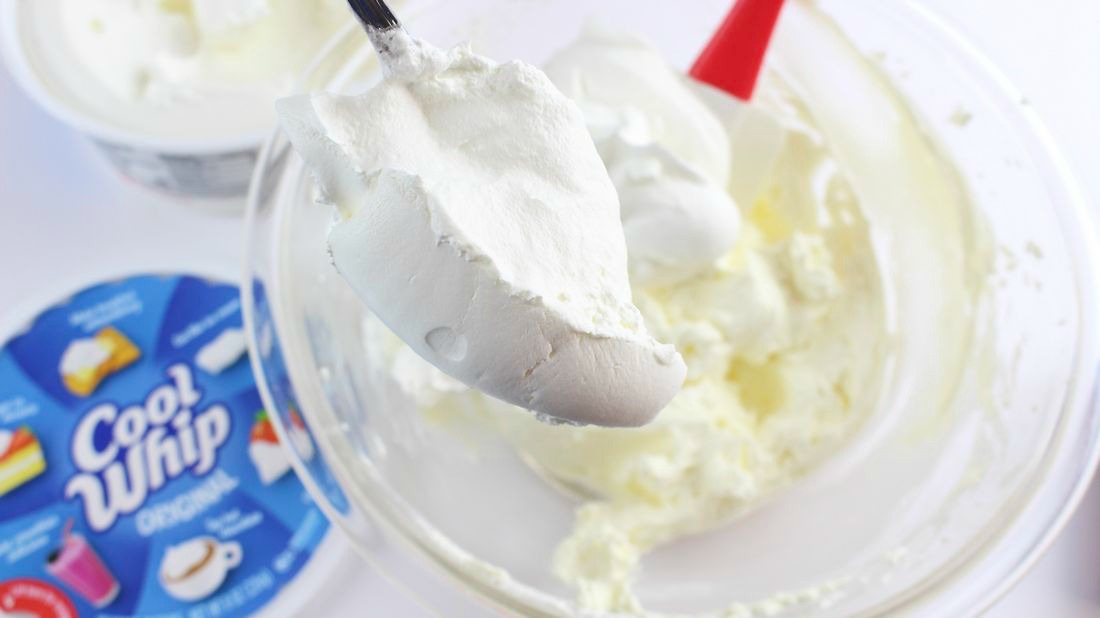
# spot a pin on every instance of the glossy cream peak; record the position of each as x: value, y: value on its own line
x: 478, y: 222
x: 666, y: 151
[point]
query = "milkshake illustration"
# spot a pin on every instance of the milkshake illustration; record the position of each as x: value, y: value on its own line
x: 76, y: 565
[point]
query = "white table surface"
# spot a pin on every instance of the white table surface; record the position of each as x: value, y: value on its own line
x: 66, y: 219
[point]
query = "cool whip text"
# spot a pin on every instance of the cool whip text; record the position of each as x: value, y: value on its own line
x: 140, y: 456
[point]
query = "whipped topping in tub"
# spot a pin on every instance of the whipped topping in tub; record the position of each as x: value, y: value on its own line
x: 174, y: 52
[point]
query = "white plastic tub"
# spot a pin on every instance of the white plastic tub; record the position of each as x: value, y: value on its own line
x: 202, y: 154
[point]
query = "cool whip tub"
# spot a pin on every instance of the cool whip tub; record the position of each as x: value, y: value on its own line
x: 177, y: 95
x: 140, y: 473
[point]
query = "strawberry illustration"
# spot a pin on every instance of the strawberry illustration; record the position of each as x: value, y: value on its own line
x: 263, y: 430
x: 21, y: 438
x: 264, y: 450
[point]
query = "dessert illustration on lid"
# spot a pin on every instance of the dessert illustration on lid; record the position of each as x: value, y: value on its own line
x: 195, y: 569
x: 223, y: 352
x: 268, y: 455
x: 265, y: 451
x: 21, y: 458
x: 87, y: 362
x: 76, y: 564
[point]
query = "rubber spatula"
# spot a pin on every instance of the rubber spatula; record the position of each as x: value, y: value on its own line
x: 732, y: 59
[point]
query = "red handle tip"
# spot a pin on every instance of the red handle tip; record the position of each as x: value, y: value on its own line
x: 733, y: 58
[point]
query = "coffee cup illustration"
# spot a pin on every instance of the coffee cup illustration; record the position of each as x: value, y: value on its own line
x: 77, y: 565
x: 195, y: 569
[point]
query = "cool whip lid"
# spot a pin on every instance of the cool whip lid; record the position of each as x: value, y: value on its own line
x: 139, y: 473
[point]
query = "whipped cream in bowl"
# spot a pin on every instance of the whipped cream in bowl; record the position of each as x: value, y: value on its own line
x: 875, y: 385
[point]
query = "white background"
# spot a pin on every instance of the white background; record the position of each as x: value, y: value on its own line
x: 66, y: 220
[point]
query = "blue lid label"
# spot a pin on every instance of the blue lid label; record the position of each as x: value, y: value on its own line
x: 139, y: 472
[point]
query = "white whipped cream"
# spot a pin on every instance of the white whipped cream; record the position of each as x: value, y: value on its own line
x: 676, y: 221
x: 216, y: 17
x: 222, y: 352
x: 83, y: 355
x: 782, y: 338
x: 783, y: 345
x: 624, y: 72
x: 270, y: 460
x: 180, y: 559
x: 667, y: 153
x: 169, y: 52
x: 476, y: 219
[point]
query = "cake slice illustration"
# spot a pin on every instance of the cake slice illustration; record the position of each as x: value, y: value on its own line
x: 264, y: 450
x: 21, y: 458
x: 87, y: 362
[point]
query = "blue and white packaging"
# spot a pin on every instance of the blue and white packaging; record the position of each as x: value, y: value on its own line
x: 139, y: 473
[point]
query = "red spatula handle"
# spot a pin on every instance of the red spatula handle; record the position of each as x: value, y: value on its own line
x: 732, y: 60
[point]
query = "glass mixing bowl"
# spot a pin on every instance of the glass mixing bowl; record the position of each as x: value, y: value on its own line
x: 937, y: 506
